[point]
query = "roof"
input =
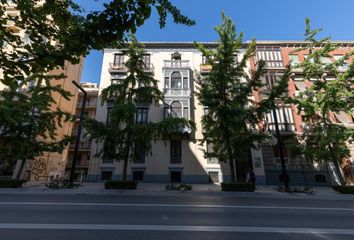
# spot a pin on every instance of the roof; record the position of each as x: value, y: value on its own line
x: 189, y: 44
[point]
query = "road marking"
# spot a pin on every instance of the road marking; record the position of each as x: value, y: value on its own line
x: 175, y: 205
x: 176, y: 228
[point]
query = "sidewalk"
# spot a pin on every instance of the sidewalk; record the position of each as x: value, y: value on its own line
x: 158, y: 189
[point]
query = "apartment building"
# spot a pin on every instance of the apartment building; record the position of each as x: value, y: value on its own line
x: 50, y: 165
x: 278, y: 54
x: 181, y: 159
x: 176, y: 65
x: 84, y: 152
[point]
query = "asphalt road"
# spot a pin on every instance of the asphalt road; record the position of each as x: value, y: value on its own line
x: 170, y: 217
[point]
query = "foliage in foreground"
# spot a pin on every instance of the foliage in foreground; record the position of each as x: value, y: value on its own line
x: 117, y: 184
x: 11, y: 183
x: 237, y: 187
x: 323, y: 139
x: 58, y: 184
x: 231, y: 124
x: 36, y: 48
x: 344, y: 189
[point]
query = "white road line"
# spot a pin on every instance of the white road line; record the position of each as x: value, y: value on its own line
x: 176, y: 205
x: 249, y: 229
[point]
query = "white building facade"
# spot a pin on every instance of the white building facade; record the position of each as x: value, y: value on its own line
x: 175, y: 66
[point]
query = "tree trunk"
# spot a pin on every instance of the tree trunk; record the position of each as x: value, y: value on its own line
x: 339, y: 172
x: 336, y: 166
x: 125, y: 166
x: 126, y: 157
x: 231, y: 159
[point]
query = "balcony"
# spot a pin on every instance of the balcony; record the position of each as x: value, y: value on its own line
x: 177, y: 92
x: 89, y: 104
x: 117, y: 68
x: 83, y: 146
x: 182, y: 133
x: 148, y: 68
x: 205, y: 68
x: 176, y: 64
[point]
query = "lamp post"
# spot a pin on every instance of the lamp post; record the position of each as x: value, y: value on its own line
x: 78, y: 135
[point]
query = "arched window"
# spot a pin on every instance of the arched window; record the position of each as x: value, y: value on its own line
x: 176, y: 109
x: 176, y: 80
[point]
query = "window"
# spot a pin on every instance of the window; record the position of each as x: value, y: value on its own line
x: 277, y: 155
x: 86, y: 115
x: 271, y: 78
x: 185, y: 113
x: 326, y: 60
x: 293, y: 59
x: 175, y: 151
x: 142, y: 115
x: 176, y: 109
x: 204, y: 59
x: 176, y: 80
x: 118, y: 59
x: 139, y: 153
x: 311, y: 60
x: 147, y: 61
x: 176, y: 176
x: 271, y: 55
x: 209, y: 149
x: 78, y: 159
x: 167, y: 84
x: 106, y: 175
x: 138, y: 175
x: 185, y: 82
x: 343, y: 66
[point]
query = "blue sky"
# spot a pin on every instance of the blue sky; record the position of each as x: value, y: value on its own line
x: 259, y: 19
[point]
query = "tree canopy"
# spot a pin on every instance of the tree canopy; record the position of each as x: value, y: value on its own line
x: 232, y: 122
x: 324, y: 139
x: 37, y: 39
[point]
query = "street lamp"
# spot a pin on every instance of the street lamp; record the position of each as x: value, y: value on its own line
x: 78, y: 135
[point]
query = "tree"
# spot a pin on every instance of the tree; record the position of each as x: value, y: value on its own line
x: 124, y: 137
x: 233, y: 118
x: 323, y: 139
x: 42, y: 38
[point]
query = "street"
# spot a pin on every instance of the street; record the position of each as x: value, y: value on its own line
x: 170, y: 217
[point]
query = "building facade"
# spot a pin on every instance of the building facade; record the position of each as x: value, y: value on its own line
x: 182, y: 159
x: 84, y: 152
x: 49, y: 165
x: 176, y: 66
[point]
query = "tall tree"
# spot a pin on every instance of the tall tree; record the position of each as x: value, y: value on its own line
x: 233, y: 118
x: 124, y: 136
x: 45, y: 36
x: 324, y: 140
